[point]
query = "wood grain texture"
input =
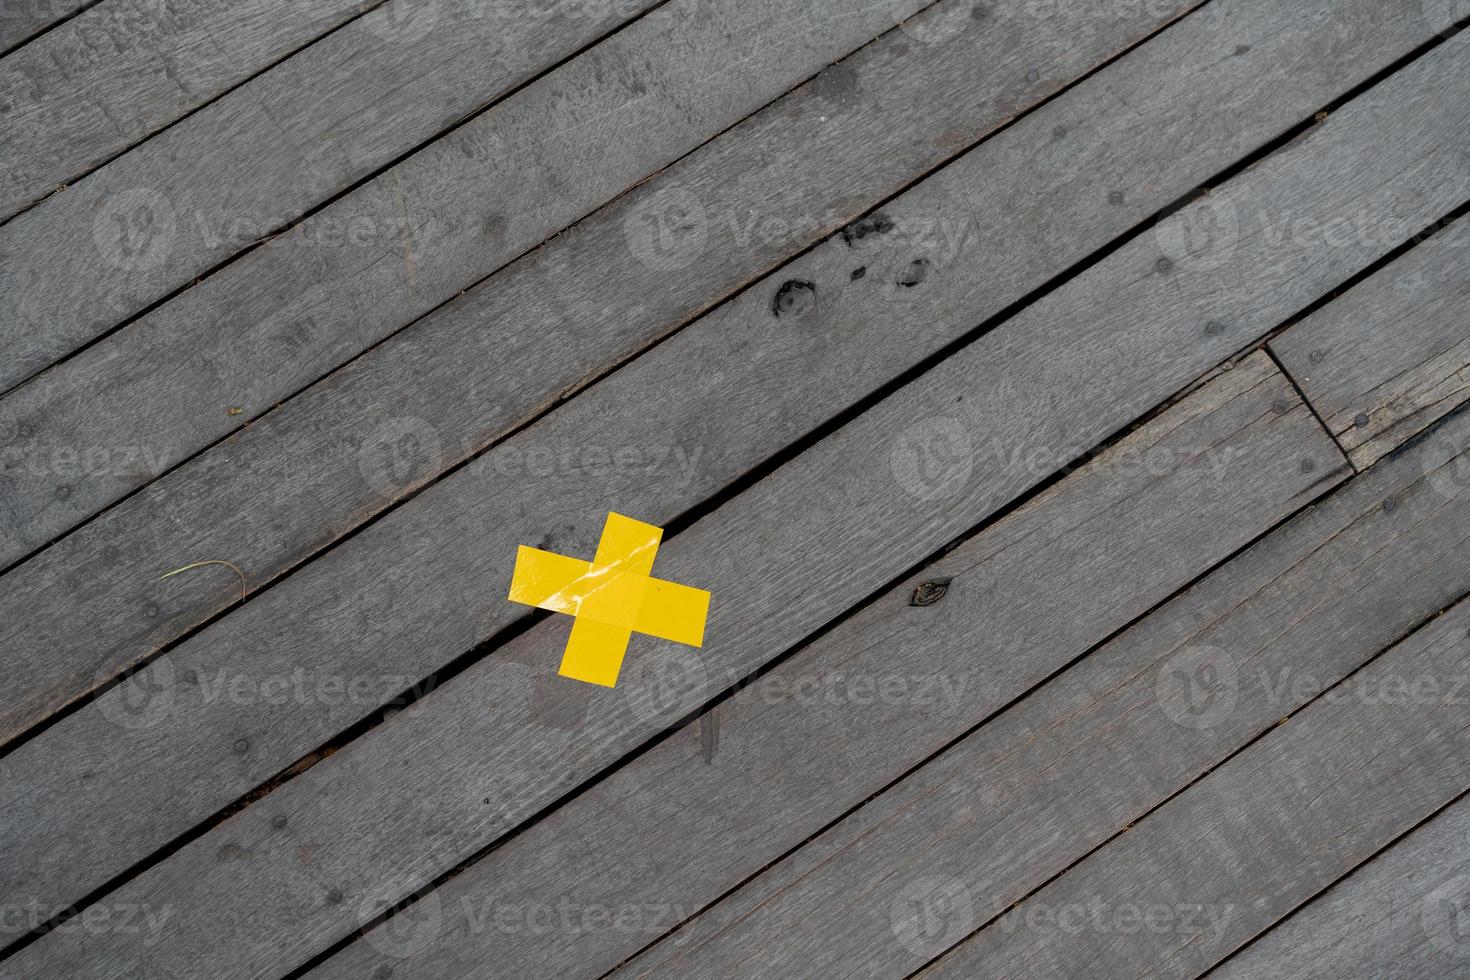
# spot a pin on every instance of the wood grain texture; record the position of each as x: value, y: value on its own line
x: 117, y: 73
x: 816, y: 537
x: 21, y: 20
x: 1262, y: 834
x: 279, y: 491
x: 832, y: 726
x: 993, y: 818
x: 284, y: 488
x: 145, y: 225
x: 1392, y: 356
x: 454, y: 213
x: 1400, y: 916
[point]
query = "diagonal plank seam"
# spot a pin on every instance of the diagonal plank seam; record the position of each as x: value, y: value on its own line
x: 81, y: 8
x: 607, y: 369
x: 292, y: 223
x: 1410, y: 629
x: 1443, y: 226
x: 1154, y: 416
x: 1426, y: 638
x: 718, y: 699
x: 1403, y: 635
x: 407, y: 698
x: 567, y: 392
x: 1342, y: 879
x: 876, y: 380
x: 956, y: 740
x: 1265, y: 345
x: 286, y: 226
x: 293, y: 767
x: 947, y: 569
x: 366, y: 7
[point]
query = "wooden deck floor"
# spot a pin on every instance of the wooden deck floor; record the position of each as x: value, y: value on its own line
x: 1063, y: 403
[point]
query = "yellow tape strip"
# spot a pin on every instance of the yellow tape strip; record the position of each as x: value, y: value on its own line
x: 612, y: 597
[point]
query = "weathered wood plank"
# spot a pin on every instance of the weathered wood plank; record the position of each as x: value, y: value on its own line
x: 1076, y: 762
x: 1260, y: 835
x: 21, y: 20
x: 398, y: 598
x: 882, y: 691
x: 284, y: 488
x: 142, y: 227
x: 117, y: 73
x: 1398, y: 917
x: 353, y: 274
x: 1393, y: 355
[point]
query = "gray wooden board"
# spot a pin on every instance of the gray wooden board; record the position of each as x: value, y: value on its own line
x: 318, y: 295
x: 712, y: 921
x: 117, y: 73
x: 675, y: 829
x: 21, y: 20
x: 1398, y: 917
x: 287, y: 486
x: 1261, y: 834
x: 793, y: 550
x: 994, y: 817
x: 143, y: 226
x: 287, y: 314
x: 296, y: 480
x: 1392, y: 356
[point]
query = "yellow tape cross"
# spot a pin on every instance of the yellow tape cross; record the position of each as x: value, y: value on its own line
x: 612, y: 597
